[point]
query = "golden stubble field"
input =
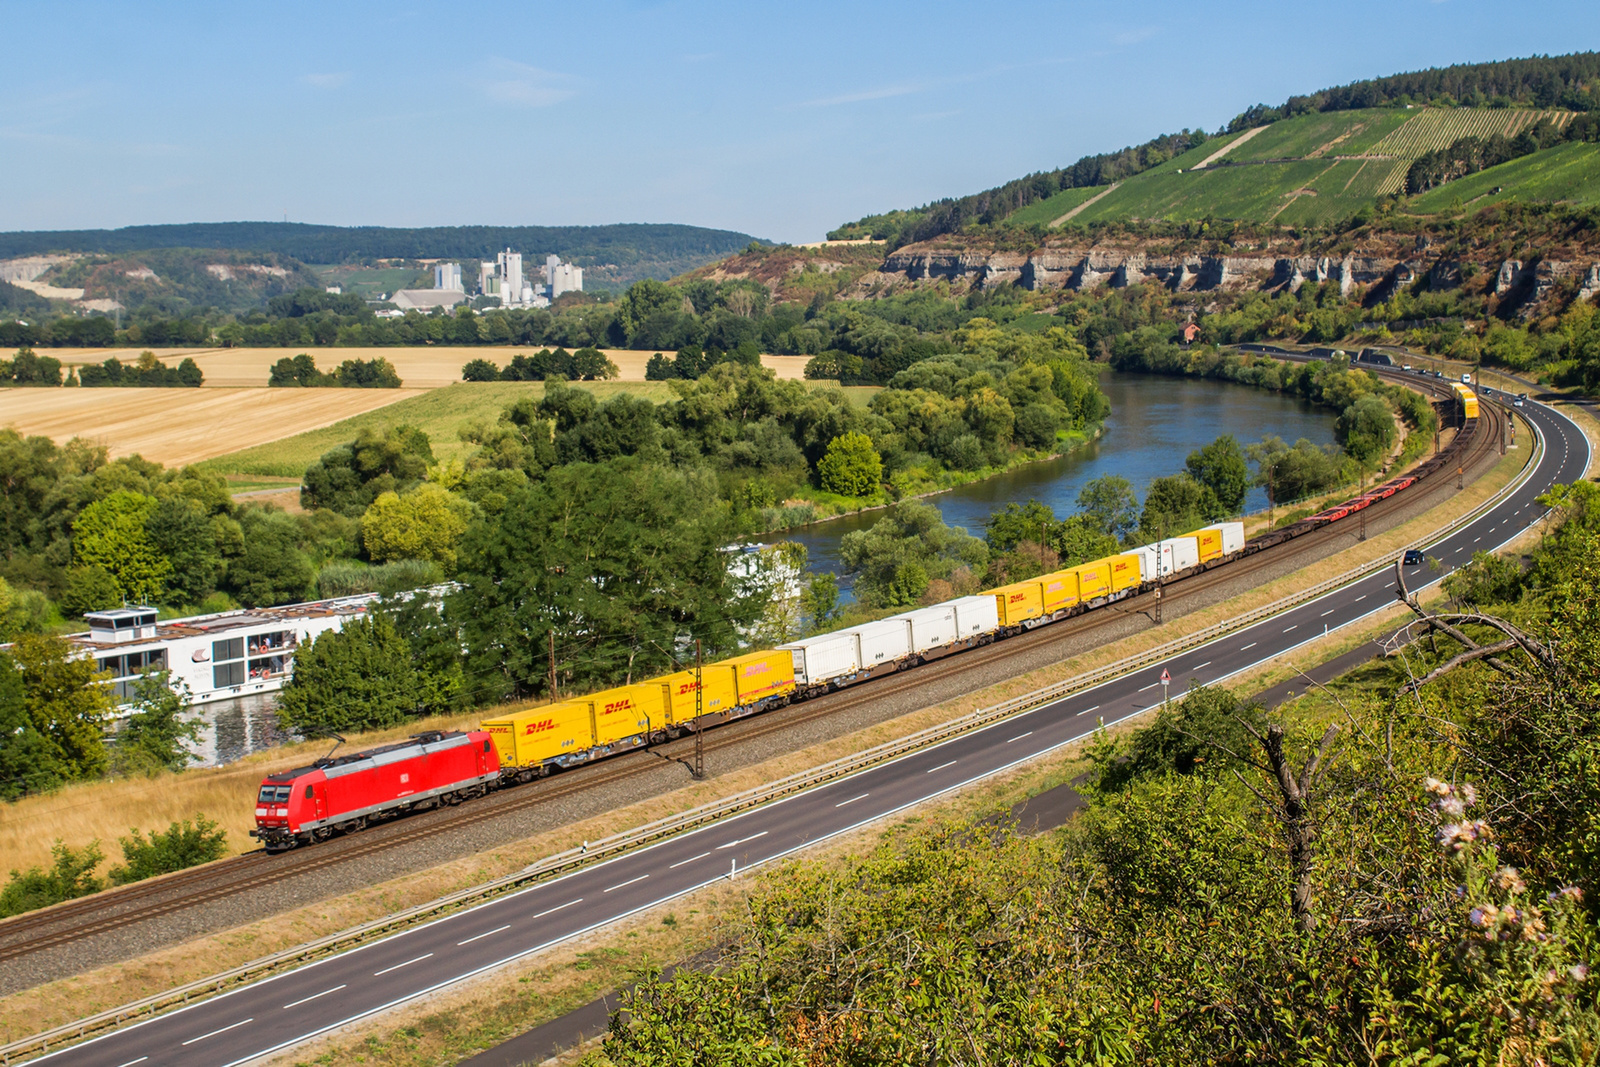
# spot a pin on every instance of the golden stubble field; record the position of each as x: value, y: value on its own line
x: 178, y: 426
x: 426, y: 367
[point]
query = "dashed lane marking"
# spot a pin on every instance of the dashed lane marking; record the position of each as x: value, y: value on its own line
x: 1019, y: 737
x: 568, y: 904
x: 852, y: 800
x: 335, y: 989
x: 691, y: 859
x: 224, y: 1030
x: 623, y: 885
x: 396, y: 967
x: 941, y: 767
x: 476, y: 937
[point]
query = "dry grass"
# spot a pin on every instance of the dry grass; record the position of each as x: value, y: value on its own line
x: 424, y: 367
x: 178, y: 426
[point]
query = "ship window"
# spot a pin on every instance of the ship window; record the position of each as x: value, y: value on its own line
x: 230, y: 649
x: 224, y: 675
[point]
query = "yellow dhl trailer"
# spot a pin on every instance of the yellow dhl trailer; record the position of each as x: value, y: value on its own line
x: 628, y: 711
x: 759, y: 676
x: 719, y: 697
x: 1059, y: 590
x: 528, y: 739
x: 1018, y: 602
x: 1094, y: 579
x: 1125, y: 572
x: 1209, y: 542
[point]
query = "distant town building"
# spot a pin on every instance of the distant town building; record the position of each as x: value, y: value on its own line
x: 448, y: 276
x: 426, y: 300
x: 503, y: 278
x: 561, y: 277
x: 335, y: 290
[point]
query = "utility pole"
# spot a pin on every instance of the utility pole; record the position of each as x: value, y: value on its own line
x: 1161, y: 571
x: 553, y: 694
x: 698, y: 771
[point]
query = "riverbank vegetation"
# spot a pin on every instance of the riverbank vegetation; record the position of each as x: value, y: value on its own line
x: 1389, y: 865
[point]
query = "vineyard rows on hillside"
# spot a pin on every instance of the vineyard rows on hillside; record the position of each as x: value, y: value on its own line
x: 1436, y: 128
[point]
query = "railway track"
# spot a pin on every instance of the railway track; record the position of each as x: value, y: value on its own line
x: 145, y: 901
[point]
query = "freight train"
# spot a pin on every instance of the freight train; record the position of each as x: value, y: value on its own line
x: 342, y: 795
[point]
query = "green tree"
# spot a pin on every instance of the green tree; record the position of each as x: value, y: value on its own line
x: 1367, y: 430
x: 620, y: 561
x: 271, y: 568
x: 643, y: 299
x: 90, y: 589
x: 112, y: 533
x: 28, y: 760
x: 1015, y: 523
x: 69, y: 877
x: 181, y: 846
x: 900, y: 557
x: 851, y: 466
x: 1221, y: 467
x: 479, y: 370
x: 1110, y: 502
x: 426, y: 523
x: 1079, y: 539
x: 349, y: 478
x: 359, y: 677
x: 820, y: 602
x: 65, y: 702
x: 183, y: 532
x: 160, y: 729
x: 1175, y: 505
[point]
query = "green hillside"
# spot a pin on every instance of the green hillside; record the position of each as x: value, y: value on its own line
x: 1326, y: 166
x: 1567, y: 172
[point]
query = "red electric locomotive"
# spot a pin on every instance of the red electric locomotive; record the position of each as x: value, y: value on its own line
x: 344, y: 792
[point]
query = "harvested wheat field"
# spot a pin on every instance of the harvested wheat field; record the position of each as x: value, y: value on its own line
x: 178, y: 426
x: 425, y: 367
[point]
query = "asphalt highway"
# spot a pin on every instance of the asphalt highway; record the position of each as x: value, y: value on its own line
x: 279, y: 1012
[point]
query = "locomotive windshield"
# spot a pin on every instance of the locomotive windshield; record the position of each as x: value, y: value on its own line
x: 273, y: 794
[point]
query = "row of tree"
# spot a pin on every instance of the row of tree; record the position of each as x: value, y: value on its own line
x: 302, y: 371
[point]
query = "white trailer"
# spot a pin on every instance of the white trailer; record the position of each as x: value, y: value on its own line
x: 1149, y: 555
x: 1232, y: 536
x: 931, y: 627
x: 884, y: 641
x: 819, y: 660
x: 1185, y: 552
x: 976, y: 615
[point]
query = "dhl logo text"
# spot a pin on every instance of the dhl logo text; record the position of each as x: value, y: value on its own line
x: 539, y: 727
x: 617, y: 705
x: 757, y: 668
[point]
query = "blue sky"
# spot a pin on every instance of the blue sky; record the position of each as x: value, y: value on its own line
x: 781, y: 120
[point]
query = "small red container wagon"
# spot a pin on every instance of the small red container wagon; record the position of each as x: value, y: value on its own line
x: 344, y: 793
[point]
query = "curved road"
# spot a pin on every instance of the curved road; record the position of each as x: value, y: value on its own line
x: 282, y: 1011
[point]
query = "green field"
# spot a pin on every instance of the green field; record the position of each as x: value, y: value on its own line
x: 1324, y: 134
x: 440, y: 413
x: 368, y: 282
x: 1567, y: 172
x: 1046, y: 211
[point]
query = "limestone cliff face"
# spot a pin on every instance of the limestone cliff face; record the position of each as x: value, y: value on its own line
x: 1089, y: 267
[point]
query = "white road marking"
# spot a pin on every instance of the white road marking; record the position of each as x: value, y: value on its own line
x: 214, y: 1033
x: 325, y: 992
x: 396, y: 967
x: 941, y: 767
x: 130, y: 1063
x: 486, y: 933
x: 1152, y: 685
x: 1296, y: 626
x: 1363, y: 596
x: 741, y: 840
x: 1248, y: 647
x: 852, y: 800
x: 1207, y: 663
x: 691, y: 859
x: 1019, y: 737
x: 629, y: 882
x: 568, y: 904
x: 1325, y: 614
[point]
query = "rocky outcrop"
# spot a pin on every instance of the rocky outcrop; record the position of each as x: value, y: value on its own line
x: 1088, y: 268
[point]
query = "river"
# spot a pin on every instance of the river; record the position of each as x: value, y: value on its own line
x: 1154, y: 424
